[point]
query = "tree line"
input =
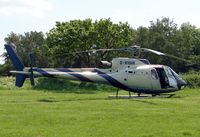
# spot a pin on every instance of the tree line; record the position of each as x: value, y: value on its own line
x: 56, y: 47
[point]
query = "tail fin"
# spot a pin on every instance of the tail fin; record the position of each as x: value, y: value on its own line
x: 19, y: 66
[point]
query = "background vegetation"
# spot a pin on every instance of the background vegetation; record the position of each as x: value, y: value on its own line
x: 192, y: 78
x: 55, y: 48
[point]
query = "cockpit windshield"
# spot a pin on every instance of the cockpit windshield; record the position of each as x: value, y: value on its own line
x: 175, y: 74
x: 180, y: 82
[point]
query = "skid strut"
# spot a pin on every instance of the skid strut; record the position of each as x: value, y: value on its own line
x: 117, y: 93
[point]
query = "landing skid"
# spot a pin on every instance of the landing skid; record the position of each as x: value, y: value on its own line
x: 163, y: 95
x: 117, y: 94
x: 128, y: 97
x: 139, y: 95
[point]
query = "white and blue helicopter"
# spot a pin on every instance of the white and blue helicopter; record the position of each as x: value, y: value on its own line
x: 130, y: 74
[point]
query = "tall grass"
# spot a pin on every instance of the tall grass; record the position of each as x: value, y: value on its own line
x: 57, y: 85
x: 7, y: 83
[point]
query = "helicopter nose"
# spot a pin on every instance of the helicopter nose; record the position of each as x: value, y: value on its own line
x: 181, y: 83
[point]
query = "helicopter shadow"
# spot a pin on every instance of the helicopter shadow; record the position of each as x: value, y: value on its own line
x: 144, y: 101
x: 55, y: 100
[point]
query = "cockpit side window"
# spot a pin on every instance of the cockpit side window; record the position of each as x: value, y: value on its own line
x: 154, y: 74
x: 169, y: 73
x: 175, y: 74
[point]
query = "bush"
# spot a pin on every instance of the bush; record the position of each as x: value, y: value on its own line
x: 64, y: 85
x: 192, y: 78
x: 4, y: 69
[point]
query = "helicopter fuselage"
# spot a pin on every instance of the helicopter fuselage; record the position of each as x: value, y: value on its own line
x: 134, y: 75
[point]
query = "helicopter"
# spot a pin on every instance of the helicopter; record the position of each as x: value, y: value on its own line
x: 131, y: 74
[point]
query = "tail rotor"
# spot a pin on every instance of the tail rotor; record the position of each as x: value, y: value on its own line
x: 31, y: 59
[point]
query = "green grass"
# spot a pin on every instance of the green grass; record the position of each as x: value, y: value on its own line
x: 26, y: 112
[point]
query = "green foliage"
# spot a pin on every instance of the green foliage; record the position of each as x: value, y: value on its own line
x: 160, y: 35
x: 164, y: 35
x: 81, y: 35
x: 188, y: 41
x: 4, y: 69
x: 30, y: 42
x: 192, y: 78
x: 63, y: 85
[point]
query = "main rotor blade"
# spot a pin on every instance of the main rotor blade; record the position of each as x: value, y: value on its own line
x: 97, y: 50
x: 130, y: 49
x: 178, y: 58
x: 163, y: 54
x: 153, y: 51
x: 94, y: 50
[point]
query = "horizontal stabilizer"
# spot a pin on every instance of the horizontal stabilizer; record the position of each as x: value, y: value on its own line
x: 20, y: 72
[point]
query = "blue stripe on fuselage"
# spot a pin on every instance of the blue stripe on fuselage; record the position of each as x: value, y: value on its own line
x: 112, y: 81
x: 43, y: 72
x: 116, y: 83
x: 79, y: 76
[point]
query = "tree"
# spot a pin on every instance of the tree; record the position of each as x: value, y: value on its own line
x: 80, y: 35
x: 188, y: 41
x: 160, y: 35
x: 112, y: 35
x: 142, y: 37
x: 69, y: 37
x: 31, y: 42
x: 7, y: 66
x: 164, y: 35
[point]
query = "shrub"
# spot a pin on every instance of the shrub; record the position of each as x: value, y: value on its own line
x: 192, y: 78
x: 64, y: 85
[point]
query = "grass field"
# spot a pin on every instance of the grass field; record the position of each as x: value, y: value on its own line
x: 43, y: 113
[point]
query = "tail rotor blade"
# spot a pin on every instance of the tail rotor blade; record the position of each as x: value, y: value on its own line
x: 31, y: 59
x: 32, y: 79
